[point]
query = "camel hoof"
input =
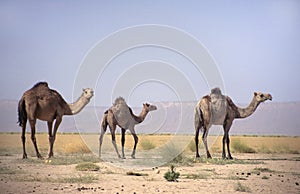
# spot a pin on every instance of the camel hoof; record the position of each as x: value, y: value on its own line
x: 209, y: 156
x: 230, y: 158
x: 132, y: 156
x: 50, y: 155
x: 197, y: 156
x: 24, y: 156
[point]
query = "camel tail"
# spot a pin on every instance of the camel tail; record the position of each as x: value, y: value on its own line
x: 22, y: 115
x: 198, y: 118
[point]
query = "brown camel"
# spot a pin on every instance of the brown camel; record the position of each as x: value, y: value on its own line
x: 120, y: 114
x: 217, y: 109
x: 41, y: 102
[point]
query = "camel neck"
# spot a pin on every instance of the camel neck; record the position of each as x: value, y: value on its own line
x: 141, y: 116
x: 77, y: 106
x: 249, y: 110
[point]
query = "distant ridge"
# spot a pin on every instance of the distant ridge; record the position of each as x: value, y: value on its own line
x: 271, y: 118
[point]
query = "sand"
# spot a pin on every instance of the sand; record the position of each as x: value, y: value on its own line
x: 256, y: 173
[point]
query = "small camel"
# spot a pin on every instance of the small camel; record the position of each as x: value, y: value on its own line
x: 121, y: 115
x: 217, y: 109
x: 41, y: 102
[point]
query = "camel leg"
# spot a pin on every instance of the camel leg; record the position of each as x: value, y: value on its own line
x: 204, y: 139
x: 24, y: 139
x: 123, y: 142
x: 33, y: 139
x: 197, y: 142
x: 198, y: 125
x: 50, y: 124
x: 102, y: 132
x: 228, y: 146
x: 136, y: 139
x: 113, y: 140
x: 52, y: 138
x: 226, y: 139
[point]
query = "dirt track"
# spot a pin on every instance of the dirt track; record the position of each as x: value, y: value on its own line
x: 256, y: 173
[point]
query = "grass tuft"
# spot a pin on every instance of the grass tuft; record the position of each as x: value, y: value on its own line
x: 78, y: 179
x: 242, y: 188
x: 87, y: 166
x: 265, y: 177
x: 78, y: 147
x: 241, y: 147
x: 171, y: 175
x: 196, y: 176
x: 147, y: 145
x: 260, y: 169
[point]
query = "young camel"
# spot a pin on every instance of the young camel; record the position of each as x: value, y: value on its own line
x: 217, y: 109
x: 41, y: 102
x: 121, y: 115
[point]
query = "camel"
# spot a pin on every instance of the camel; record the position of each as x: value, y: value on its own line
x: 121, y: 115
x: 41, y: 102
x: 218, y: 109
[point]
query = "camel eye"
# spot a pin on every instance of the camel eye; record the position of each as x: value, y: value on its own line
x: 261, y: 95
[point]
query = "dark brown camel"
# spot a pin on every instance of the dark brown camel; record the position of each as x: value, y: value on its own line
x: 41, y: 102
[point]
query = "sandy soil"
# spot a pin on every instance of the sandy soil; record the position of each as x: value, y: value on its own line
x: 256, y: 173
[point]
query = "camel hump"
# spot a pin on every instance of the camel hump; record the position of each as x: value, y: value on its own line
x: 119, y: 100
x: 216, y: 95
x: 44, y: 84
x: 216, y: 91
x: 218, y: 106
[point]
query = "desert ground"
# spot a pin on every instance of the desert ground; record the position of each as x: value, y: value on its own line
x: 260, y: 165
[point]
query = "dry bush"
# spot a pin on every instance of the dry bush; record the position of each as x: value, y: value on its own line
x: 78, y: 147
x: 241, y: 147
x: 147, y: 145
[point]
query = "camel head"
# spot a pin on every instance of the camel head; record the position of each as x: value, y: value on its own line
x: 261, y: 97
x: 149, y: 107
x: 88, y: 93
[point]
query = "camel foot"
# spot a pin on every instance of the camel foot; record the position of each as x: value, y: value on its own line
x: 50, y: 155
x: 24, y: 156
x: 133, y: 156
x: 224, y: 156
x: 230, y: 158
x: 197, y: 156
x: 208, y: 155
x: 123, y: 157
x: 39, y: 156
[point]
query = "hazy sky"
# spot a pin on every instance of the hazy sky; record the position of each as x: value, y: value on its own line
x: 256, y: 45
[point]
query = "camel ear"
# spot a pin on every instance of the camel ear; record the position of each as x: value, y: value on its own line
x: 255, y: 94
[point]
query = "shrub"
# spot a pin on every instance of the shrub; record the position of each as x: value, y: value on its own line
x: 147, y: 145
x: 192, y: 146
x: 240, y: 147
x: 78, y: 147
x: 171, y: 175
x: 264, y: 177
x: 87, y: 166
x: 242, y: 188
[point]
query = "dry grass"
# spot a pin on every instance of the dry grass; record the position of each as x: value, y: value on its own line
x: 73, y: 143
